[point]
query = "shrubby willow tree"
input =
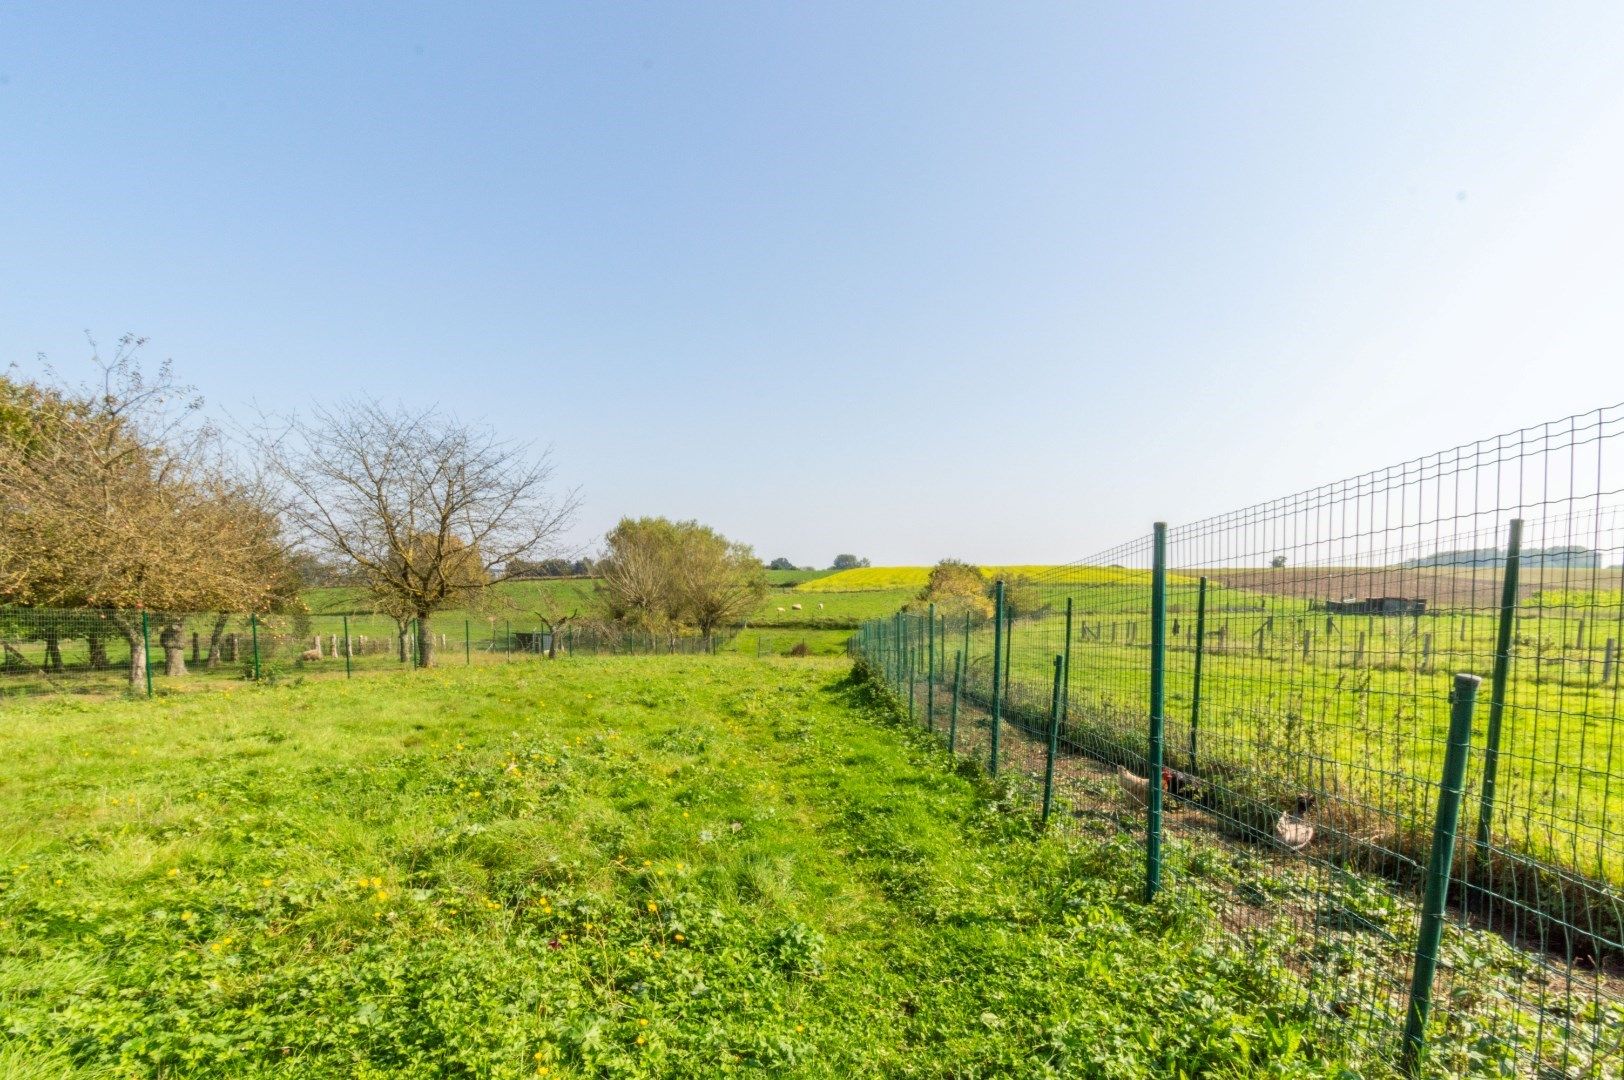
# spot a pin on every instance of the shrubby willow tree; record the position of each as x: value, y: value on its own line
x: 661, y: 575
x: 115, y: 496
x: 427, y: 510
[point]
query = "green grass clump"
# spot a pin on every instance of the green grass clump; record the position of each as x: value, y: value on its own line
x: 621, y: 867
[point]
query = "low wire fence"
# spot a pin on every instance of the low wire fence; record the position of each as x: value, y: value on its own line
x: 1384, y: 715
x: 63, y: 650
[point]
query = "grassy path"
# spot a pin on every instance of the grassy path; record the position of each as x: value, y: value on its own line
x: 620, y: 867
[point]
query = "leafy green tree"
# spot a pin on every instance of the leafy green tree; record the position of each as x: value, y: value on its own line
x: 956, y: 587
x: 1022, y: 598
x: 849, y: 562
x: 662, y: 575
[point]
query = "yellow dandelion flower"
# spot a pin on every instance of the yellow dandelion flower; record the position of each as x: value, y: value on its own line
x: 381, y: 896
x: 174, y: 871
x: 640, y: 1040
x: 187, y: 916
x: 652, y: 906
x: 647, y: 863
x: 679, y: 937
x: 800, y: 1027
x: 642, y: 1023
x: 265, y: 882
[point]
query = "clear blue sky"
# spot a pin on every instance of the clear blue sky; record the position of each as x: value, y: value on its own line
x: 998, y: 281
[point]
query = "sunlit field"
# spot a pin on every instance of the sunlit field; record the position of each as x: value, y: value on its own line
x: 676, y: 866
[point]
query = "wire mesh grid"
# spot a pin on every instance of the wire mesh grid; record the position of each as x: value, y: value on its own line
x: 1310, y: 645
x: 97, y: 652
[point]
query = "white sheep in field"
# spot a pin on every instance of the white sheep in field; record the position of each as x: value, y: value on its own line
x: 780, y: 610
x: 820, y: 605
x: 795, y: 607
x: 310, y: 654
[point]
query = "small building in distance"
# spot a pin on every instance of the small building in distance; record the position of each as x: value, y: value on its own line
x: 1372, y: 605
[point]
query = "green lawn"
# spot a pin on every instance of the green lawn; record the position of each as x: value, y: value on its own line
x: 519, y: 604
x: 618, y: 867
x: 829, y: 609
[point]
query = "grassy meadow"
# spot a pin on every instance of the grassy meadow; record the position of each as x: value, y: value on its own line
x: 665, y: 866
x: 871, y: 578
x: 1354, y: 705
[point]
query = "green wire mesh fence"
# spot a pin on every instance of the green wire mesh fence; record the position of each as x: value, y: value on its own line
x: 55, y: 650
x: 1442, y: 863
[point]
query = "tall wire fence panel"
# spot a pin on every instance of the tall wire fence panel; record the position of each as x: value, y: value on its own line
x: 105, y: 651
x: 1375, y: 724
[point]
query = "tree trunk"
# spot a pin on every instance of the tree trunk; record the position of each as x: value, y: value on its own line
x: 98, y: 651
x: 425, y: 641
x: 400, y: 637
x: 53, y: 650
x: 215, y: 634
x: 173, y: 639
x: 138, y: 656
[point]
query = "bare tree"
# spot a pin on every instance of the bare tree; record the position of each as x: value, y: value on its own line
x: 428, y: 510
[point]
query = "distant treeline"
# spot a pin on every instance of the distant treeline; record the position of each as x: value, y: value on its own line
x: 1570, y: 556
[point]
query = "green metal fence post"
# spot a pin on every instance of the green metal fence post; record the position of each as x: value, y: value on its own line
x: 1158, y: 643
x: 913, y: 665
x: 893, y: 651
x: 1009, y: 649
x: 1497, y: 688
x: 1200, y: 648
x: 899, y: 651
x: 1054, y: 736
x: 467, y: 644
x: 930, y: 675
x: 997, y: 672
x: 508, y: 633
x: 953, y: 717
x: 253, y: 627
x: 1065, y: 687
x: 1438, y: 867
x: 348, y: 674
x: 146, y: 650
